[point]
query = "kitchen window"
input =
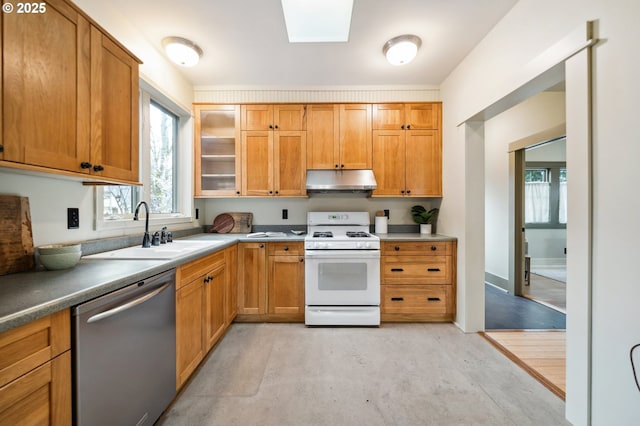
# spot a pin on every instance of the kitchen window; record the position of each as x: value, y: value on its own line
x: 545, y: 194
x: 163, y: 168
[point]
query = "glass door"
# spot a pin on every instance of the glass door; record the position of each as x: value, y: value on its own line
x: 217, y: 150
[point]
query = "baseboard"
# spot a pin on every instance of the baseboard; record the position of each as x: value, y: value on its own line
x: 496, y: 281
x: 548, y: 262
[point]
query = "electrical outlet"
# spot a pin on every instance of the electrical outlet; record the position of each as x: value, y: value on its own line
x: 285, y: 213
x: 73, y: 218
x: 386, y: 213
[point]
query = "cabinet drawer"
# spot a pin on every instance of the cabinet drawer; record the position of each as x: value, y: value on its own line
x: 417, y: 248
x: 416, y: 270
x: 192, y: 270
x: 424, y: 299
x: 286, y: 249
x: 26, y: 347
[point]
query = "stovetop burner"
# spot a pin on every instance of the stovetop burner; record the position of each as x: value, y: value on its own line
x: 357, y: 234
x: 323, y: 234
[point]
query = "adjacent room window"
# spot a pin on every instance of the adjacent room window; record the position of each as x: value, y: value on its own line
x: 160, y: 163
x: 545, y: 194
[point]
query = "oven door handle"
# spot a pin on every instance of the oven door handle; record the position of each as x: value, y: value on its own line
x: 126, y: 306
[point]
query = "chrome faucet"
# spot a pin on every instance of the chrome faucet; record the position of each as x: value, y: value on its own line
x: 146, y: 239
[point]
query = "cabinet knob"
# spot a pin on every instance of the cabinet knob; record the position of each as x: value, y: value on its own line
x: 397, y: 248
x: 270, y: 192
x: 302, y: 259
x: 434, y: 248
x: 238, y: 192
x: 402, y: 191
x: 85, y: 165
x: 277, y: 192
x: 98, y: 168
x: 342, y: 166
x: 1, y: 148
x: 336, y: 166
x: 286, y: 248
x: 270, y: 126
x: 276, y: 126
x: 408, y: 126
x: 402, y: 127
x: 261, y: 246
x: 408, y: 191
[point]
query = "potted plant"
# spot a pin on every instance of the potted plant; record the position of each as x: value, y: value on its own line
x: 426, y: 219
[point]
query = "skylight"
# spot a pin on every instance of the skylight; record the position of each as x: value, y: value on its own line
x: 316, y: 21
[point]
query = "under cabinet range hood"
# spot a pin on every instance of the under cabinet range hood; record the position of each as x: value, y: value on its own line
x: 330, y: 181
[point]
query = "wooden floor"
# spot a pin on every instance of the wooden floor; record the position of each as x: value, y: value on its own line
x: 541, y: 353
x: 547, y: 291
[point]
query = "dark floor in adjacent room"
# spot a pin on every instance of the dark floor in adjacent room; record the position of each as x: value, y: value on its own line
x: 506, y: 311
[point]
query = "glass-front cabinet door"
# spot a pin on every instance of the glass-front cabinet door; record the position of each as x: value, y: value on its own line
x: 217, y: 150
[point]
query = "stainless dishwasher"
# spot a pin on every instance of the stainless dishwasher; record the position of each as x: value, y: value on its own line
x: 125, y: 354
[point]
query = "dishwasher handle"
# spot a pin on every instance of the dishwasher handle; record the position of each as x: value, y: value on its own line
x: 126, y: 306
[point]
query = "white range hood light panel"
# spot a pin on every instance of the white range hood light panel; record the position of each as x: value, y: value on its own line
x: 317, y: 21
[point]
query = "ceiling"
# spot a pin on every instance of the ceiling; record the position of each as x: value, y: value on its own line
x: 245, y: 41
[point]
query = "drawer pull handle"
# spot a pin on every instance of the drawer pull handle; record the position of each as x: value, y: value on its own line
x: 434, y: 248
x: 286, y: 248
x: 433, y: 299
x: 397, y: 270
x: 397, y: 248
x: 433, y: 269
x: 397, y: 299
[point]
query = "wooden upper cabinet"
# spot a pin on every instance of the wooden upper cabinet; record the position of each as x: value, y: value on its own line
x: 355, y: 136
x: 46, y: 82
x: 339, y: 136
x: 114, y: 110
x: 70, y: 96
x: 323, y: 136
x: 290, y: 117
x: 424, y: 163
x: 388, y: 116
x: 407, y: 150
x: 273, y: 117
x: 389, y: 162
x: 425, y: 116
x: 217, y: 151
x: 257, y: 163
x: 289, y: 156
x: 273, y: 163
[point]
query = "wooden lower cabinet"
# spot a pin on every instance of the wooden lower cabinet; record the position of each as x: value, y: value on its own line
x: 189, y: 330
x: 252, y: 278
x: 271, y: 282
x: 285, y: 293
x: 231, y: 293
x: 35, y: 372
x: 202, y: 313
x: 214, y: 289
x: 418, y: 281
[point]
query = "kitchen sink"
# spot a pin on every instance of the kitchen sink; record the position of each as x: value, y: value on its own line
x: 165, y: 251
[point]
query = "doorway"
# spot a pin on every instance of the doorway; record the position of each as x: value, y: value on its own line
x: 545, y: 216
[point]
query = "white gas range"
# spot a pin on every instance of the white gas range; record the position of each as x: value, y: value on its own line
x: 342, y: 270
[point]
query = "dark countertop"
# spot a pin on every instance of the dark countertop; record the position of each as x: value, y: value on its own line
x: 27, y: 296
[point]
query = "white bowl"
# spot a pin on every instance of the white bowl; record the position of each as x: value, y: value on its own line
x: 59, y: 256
x: 59, y: 248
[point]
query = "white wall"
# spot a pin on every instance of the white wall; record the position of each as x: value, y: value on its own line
x: 494, y: 69
x: 539, y: 113
x: 268, y: 211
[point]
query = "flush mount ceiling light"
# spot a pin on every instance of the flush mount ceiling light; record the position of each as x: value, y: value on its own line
x: 182, y: 51
x: 402, y: 49
x: 316, y: 21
